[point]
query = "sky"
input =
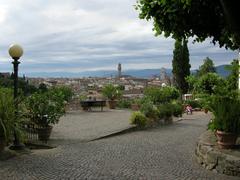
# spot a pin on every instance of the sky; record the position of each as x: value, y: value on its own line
x: 87, y: 35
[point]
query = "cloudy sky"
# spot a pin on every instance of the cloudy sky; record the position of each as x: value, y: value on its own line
x: 83, y: 35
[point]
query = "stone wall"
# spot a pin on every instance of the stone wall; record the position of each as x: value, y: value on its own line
x: 74, y: 105
x: 213, y: 158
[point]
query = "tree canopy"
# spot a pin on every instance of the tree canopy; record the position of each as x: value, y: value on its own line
x: 232, y: 79
x: 207, y: 67
x: 199, y: 19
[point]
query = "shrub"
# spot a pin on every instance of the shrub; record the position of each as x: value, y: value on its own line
x: 177, y: 109
x: 138, y: 119
x: 165, y: 110
x: 45, y: 108
x: 7, y: 116
x: 64, y: 92
x: 209, y: 83
x: 194, y: 103
x: 138, y: 101
x: 111, y: 92
x: 161, y: 95
x: 124, y: 103
x: 226, y: 114
x: 149, y: 109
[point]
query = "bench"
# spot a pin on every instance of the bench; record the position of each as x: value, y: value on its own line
x: 87, y: 104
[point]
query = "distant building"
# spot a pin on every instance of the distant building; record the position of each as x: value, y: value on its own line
x: 119, y: 70
x: 5, y: 74
x: 163, y: 74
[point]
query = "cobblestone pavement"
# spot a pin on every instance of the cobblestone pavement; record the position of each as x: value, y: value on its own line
x: 159, y: 153
x: 84, y: 126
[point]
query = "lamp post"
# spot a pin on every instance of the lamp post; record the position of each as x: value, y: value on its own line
x: 16, y: 51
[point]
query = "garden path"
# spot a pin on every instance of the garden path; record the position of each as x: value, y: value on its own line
x: 165, y: 152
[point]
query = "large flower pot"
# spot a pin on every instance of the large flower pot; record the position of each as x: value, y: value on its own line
x: 135, y: 107
x: 168, y: 120
x: 44, y: 133
x: 2, y: 143
x: 226, y: 140
x: 112, y: 104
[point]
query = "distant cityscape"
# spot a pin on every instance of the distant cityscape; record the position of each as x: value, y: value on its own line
x: 139, y: 73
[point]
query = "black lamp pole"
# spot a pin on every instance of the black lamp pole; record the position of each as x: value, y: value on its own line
x: 16, y: 143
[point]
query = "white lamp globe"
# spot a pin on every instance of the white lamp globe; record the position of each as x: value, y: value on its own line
x: 15, y: 51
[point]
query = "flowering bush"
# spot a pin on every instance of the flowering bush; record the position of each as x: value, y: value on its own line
x: 45, y: 108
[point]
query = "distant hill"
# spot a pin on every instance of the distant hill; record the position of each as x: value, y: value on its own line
x: 222, y: 71
x: 141, y: 73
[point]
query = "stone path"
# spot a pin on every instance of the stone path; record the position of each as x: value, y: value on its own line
x: 159, y: 153
x: 85, y: 126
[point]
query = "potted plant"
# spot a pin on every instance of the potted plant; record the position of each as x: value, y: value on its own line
x: 136, y: 104
x: 226, y: 121
x: 7, y: 116
x: 45, y: 109
x: 112, y: 93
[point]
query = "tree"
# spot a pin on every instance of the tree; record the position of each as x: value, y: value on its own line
x: 42, y: 87
x: 232, y: 79
x: 207, y: 67
x: 194, y: 18
x: 181, y: 66
x: 192, y: 81
x: 210, y: 83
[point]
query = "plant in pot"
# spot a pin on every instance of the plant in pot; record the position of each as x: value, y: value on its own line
x: 226, y: 121
x: 7, y: 116
x: 112, y: 93
x: 136, y: 104
x: 44, y: 110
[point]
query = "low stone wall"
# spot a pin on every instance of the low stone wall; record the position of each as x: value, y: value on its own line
x: 74, y: 105
x: 212, y: 158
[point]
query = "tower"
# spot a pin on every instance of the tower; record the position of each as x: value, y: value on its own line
x: 119, y: 70
x: 163, y: 74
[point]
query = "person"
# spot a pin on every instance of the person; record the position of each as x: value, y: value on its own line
x: 188, y: 109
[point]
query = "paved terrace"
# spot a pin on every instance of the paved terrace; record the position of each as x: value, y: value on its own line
x: 158, y: 153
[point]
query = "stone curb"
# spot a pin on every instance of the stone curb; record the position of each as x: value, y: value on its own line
x: 116, y: 133
x: 213, y: 158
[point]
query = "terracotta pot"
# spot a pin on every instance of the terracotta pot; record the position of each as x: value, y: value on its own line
x: 206, y: 111
x: 168, y: 120
x: 226, y: 140
x: 135, y: 107
x: 112, y: 104
x: 44, y: 133
x: 2, y: 143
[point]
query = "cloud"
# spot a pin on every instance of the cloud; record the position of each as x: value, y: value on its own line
x: 76, y: 36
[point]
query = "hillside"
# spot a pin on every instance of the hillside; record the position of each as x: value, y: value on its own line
x: 141, y: 73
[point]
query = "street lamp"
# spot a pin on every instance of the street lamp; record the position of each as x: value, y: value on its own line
x: 16, y: 51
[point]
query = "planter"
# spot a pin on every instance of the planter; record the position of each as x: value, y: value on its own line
x: 112, y: 104
x: 85, y: 108
x: 205, y: 110
x: 135, y: 107
x: 44, y: 133
x: 168, y: 120
x: 2, y: 143
x: 226, y: 140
